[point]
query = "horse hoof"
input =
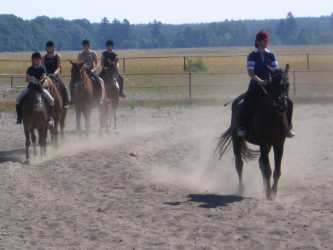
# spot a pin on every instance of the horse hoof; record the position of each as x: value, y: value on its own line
x: 241, y: 190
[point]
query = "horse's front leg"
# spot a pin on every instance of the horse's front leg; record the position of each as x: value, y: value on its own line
x: 278, y: 154
x: 266, y: 169
x: 42, y: 132
x: 55, y: 132
x: 27, y: 144
x: 34, y: 141
x: 87, y: 115
x: 102, y: 118
x: 62, y: 123
x: 78, y: 120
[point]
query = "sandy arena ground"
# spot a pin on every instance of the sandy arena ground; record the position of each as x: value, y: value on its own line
x: 154, y: 184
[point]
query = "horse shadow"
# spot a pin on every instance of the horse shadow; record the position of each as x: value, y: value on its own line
x: 209, y: 200
x: 12, y: 155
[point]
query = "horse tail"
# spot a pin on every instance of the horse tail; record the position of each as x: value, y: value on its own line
x: 241, y: 148
x: 224, y: 143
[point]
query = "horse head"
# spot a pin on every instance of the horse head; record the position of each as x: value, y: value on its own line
x: 279, y: 87
x: 77, y: 74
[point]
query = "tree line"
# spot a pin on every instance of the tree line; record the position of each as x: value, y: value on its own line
x: 17, y: 34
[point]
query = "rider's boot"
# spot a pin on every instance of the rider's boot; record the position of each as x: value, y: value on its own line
x: 243, y: 118
x: 19, y: 114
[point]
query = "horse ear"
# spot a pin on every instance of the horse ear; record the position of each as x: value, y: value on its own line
x: 71, y: 62
x: 287, y: 68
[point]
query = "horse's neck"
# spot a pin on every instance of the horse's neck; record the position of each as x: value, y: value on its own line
x: 87, y: 82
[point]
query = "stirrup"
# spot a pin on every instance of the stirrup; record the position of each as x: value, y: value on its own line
x: 290, y: 134
x: 242, y: 132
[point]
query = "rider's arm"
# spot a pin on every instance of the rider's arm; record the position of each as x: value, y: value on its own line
x: 58, y: 70
x: 103, y: 62
x: 254, y: 77
x: 116, y: 62
x: 95, y: 62
x: 28, y: 77
x: 251, y: 64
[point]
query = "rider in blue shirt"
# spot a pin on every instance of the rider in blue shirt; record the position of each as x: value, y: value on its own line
x: 260, y: 63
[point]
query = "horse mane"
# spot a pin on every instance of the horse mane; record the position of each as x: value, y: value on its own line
x: 87, y: 81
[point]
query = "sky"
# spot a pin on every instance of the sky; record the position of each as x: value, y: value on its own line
x: 166, y: 11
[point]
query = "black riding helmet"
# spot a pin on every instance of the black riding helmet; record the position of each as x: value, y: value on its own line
x: 85, y: 42
x: 50, y: 44
x: 36, y: 55
x: 109, y: 43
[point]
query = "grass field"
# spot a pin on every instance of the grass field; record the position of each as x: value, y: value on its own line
x: 152, y: 78
x: 218, y: 60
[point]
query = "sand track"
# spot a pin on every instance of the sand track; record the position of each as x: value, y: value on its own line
x: 154, y: 184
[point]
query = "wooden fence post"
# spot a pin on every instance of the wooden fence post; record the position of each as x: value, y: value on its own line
x: 190, y: 86
x: 294, y: 82
x: 308, y: 61
x: 11, y: 82
x: 185, y: 63
x: 124, y: 65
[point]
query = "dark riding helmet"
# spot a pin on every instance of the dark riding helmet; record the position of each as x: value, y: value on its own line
x: 109, y: 43
x: 36, y: 55
x: 50, y: 44
x: 261, y: 36
x: 85, y: 42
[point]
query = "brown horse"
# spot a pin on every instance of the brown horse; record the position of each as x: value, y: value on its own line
x: 35, y: 117
x: 266, y: 130
x: 82, y: 95
x: 108, y: 111
x: 59, y: 112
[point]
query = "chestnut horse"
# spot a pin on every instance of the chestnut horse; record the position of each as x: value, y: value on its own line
x: 83, y: 97
x: 266, y: 130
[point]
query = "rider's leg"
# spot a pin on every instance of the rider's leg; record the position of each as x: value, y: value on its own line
x: 50, y: 106
x: 247, y: 108
x: 102, y: 84
x: 121, y: 86
x: 64, y: 92
x: 19, y: 100
x: 98, y: 80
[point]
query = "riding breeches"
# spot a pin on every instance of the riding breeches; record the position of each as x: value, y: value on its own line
x: 249, y: 102
x: 62, y: 89
x: 45, y: 94
x: 99, y: 81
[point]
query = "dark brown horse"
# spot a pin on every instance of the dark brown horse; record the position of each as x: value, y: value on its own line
x: 82, y: 95
x: 59, y: 111
x: 266, y: 130
x: 108, y: 111
x: 35, y: 117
